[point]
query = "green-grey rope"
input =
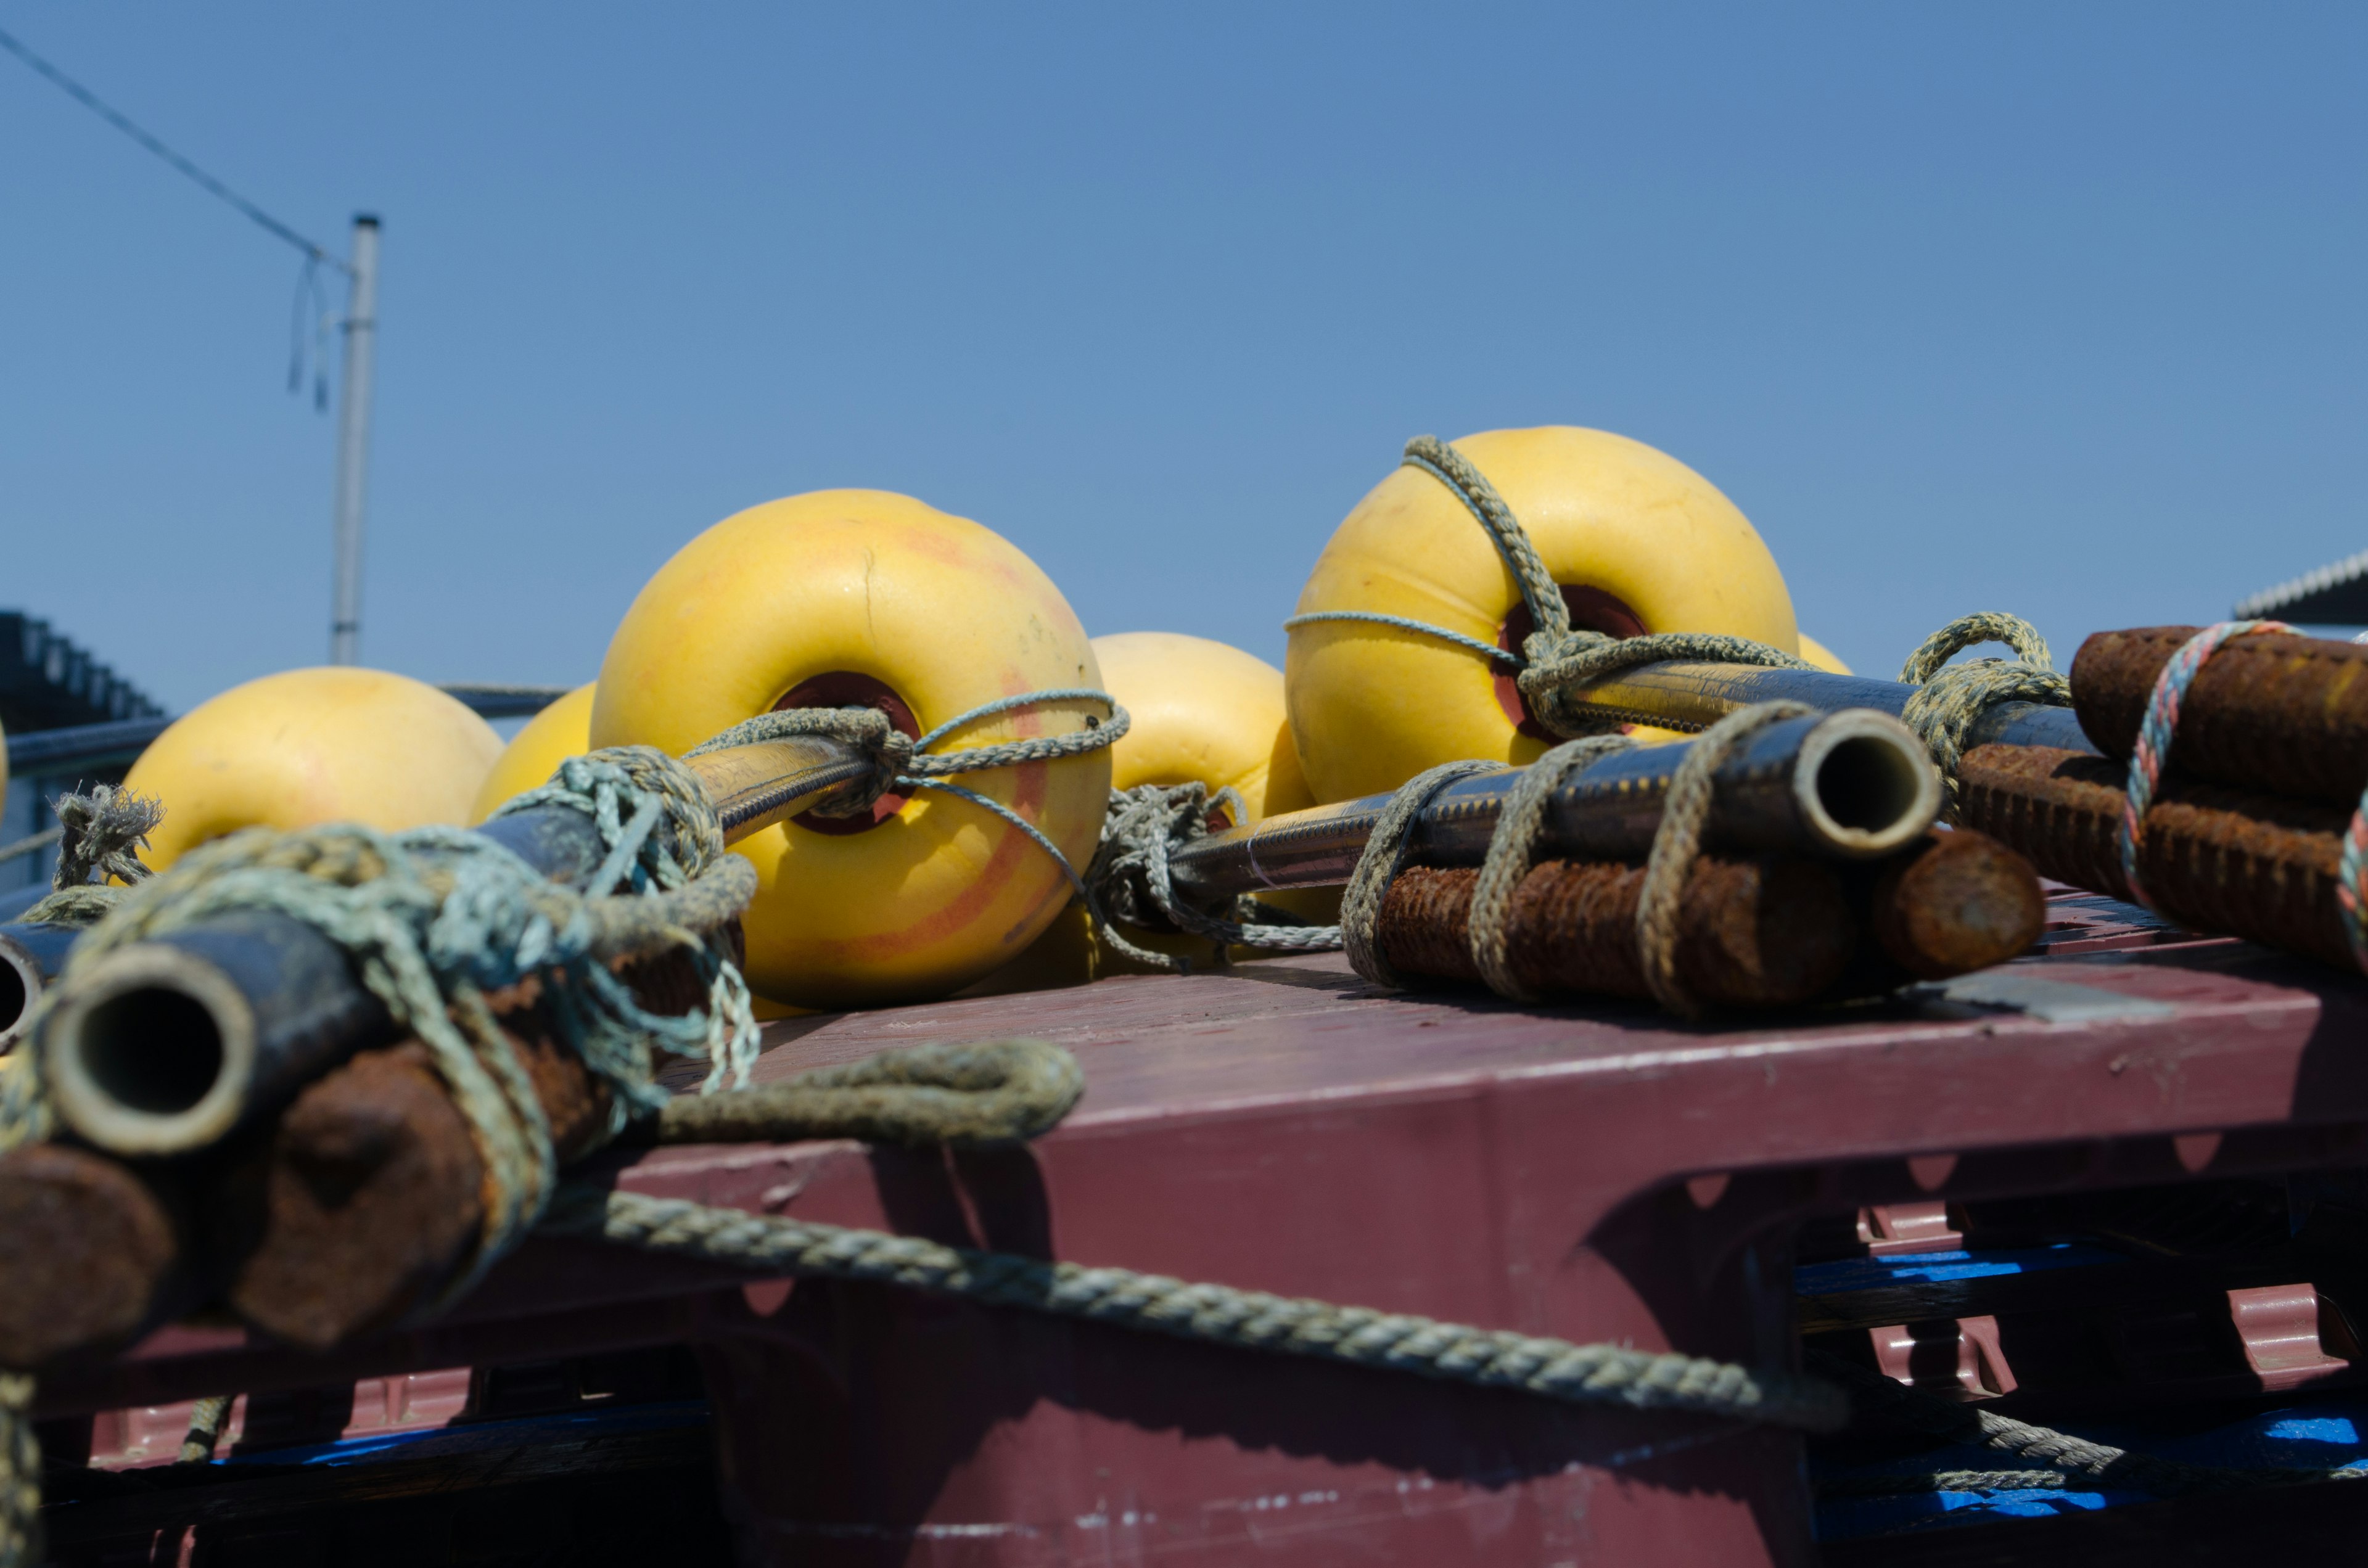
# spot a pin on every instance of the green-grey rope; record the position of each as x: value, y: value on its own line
x: 436, y: 920
x: 206, y: 1419
x: 100, y: 835
x: 1872, y: 1393
x: 1677, y: 843
x: 32, y: 843
x: 1953, y: 698
x: 962, y: 1097
x: 1512, y: 850
x: 1555, y: 659
x: 1129, y: 883
x: 1384, y: 857
x: 902, y: 762
x: 1219, y: 1314
x: 20, y: 1474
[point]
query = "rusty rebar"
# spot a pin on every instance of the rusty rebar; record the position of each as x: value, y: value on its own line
x: 1770, y: 931
x: 374, y: 1193
x: 2269, y: 712
x: 1954, y: 902
x: 2211, y: 857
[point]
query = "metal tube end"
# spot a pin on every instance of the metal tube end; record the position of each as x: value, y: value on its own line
x: 1865, y: 785
x: 21, y: 987
x: 149, y: 1052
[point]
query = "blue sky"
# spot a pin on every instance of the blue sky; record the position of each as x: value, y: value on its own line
x: 2055, y: 310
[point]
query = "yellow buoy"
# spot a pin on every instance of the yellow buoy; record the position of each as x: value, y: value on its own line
x: 1817, y: 653
x: 860, y: 597
x: 1639, y: 542
x: 551, y: 737
x: 311, y: 747
x: 1201, y: 713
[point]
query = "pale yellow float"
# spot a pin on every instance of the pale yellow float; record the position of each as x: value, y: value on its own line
x: 1203, y: 712
x: 1639, y: 542
x: 861, y: 598
x: 306, y: 747
x: 551, y: 737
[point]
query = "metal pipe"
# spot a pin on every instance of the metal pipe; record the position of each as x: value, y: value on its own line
x: 1853, y: 785
x: 30, y: 956
x: 1692, y: 697
x: 353, y: 445
x: 166, y: 1045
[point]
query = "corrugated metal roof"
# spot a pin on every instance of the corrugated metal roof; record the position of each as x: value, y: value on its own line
x: 2336, y: 595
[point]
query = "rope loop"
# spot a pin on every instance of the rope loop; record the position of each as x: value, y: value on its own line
x: 963, y: 1097
x: 1556, y: 659
x: 1512, y: 850
x: 99, y: 835
x: 1677, y: 843
x: 1384, y: 855
x: 1952, y: 698
x: 1130, y: 882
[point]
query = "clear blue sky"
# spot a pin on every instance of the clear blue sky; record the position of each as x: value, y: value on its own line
x: 2041, y: 308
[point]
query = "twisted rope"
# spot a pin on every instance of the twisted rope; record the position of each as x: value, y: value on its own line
x: 1677, y: 843
x: 206, y: 1419
x: 1871, y: 1392
x: 1512, y: 850
x: 1555, y: 659
x: 1130, y: 882
x: 1953, y: 698
x: 100, y: 835
x: 1218, y: 1315
x: 20, y: 1474
x: 1382, y: 859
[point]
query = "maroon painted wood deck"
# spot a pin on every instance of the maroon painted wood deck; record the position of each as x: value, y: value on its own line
x: 1593, y: 1173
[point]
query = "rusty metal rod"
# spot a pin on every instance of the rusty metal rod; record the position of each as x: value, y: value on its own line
x: 1950, y: 903
x: 167, y: 1045
x: 372, y: 1195
x: 2212, y: 859
x: 1689, y: 697
x: 1854, y: 784
x: 2281, y: 715
x: 1767, y: 932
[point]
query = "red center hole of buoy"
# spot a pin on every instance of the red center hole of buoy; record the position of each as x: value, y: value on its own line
x: 1592, y: 609
x: 845, y: 688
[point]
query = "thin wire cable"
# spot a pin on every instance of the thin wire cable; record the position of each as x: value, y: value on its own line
x: 205, y: 181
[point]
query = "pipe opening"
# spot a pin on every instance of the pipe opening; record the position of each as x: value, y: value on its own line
x: 152, y: 1050
x: 1866, y: 784
x: 16, y: 995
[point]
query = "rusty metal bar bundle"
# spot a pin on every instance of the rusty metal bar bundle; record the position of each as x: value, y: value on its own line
x: 2268, y: 711
x: 2214, y: 858
x: 1767, y: 931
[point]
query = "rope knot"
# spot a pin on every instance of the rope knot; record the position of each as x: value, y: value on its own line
x: 867, y: 730
x: 1130, y: 883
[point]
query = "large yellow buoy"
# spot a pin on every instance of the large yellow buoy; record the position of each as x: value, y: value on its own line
x: 860, y: 597
x: 1639, y: 542
x: 551, y: 737
x: 311, y: 747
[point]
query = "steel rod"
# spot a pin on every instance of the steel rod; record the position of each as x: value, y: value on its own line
x: 1852, y: 785
x: 1693, y: 697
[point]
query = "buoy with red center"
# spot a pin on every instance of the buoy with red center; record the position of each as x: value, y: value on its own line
x: 551, y: 737
x: 306, y: 747
x: 1638, y: 542
x: 864, y: 599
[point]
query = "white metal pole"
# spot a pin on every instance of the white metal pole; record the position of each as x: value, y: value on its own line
x: 353, y: 445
